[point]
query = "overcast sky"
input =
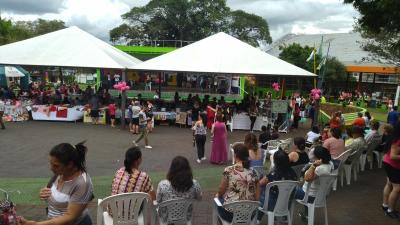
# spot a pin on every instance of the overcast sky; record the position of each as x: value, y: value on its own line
x: 99, y: 16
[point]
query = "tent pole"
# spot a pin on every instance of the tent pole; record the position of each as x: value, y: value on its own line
x: 123, y: 101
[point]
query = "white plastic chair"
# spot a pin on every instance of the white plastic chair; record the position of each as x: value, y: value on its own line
x: 175, y: 211
x: 379, y: 158
x: 325, y: 184
x: 125, y: 209
x: 354, y: 167
x: 340, y: 171
x: 284, y: 202
x: 368, y: 156
x: 231, y: 151
x: 244, y: 212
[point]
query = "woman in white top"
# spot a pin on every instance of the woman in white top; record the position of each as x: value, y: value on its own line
x: 312, y: 136
x: 367, y: 118
x: 69, y: 191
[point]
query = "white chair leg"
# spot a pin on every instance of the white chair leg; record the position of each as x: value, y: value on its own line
x: 341, y: 176
x: 363, y: 158
x: 380, y: 160
x: 347, y: 170
x: 334, y: 187
x: 270, y: 218
x: 99, y: 213
x: 215, y: 215
x: 311, y: 214
x: 355, y: 173
x: 326, y: 215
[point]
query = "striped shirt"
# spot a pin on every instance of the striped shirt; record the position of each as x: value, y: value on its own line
x: 77, y: 191
x: 137, y: 181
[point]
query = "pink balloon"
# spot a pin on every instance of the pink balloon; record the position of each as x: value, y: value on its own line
x: 317, y: 96
x: 115, y: 86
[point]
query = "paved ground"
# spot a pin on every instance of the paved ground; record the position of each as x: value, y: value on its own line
x: 26, y: 145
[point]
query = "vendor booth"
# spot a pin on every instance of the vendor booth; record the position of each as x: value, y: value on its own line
x: 222, y: 54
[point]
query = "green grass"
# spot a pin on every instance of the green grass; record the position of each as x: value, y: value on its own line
x: 25, y: 191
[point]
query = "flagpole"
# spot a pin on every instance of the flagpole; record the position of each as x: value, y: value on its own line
x: 323, y: 72
x: 315, y: 69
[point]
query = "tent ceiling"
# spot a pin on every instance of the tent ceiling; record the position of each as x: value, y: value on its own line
x: 70, y: 47
x: 222, y: 53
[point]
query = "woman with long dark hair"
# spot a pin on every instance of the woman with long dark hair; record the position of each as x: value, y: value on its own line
x: 298, y: 156
x: 256, y: 156
x: 179, y: 183
x: 239, y: 182
x: 130, y: 178
x: 391, y: 164
x: 70, y: 189
x: 281, y: 171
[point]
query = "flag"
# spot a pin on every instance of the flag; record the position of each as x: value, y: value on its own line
x: 322, y: 63
x: 320, y: 47
x: 311, y: 55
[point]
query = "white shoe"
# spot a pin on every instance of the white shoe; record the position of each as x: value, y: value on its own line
x: 204, y: 158
x: 198, y: 161
x: 134, y: 142
x: 148, y: 146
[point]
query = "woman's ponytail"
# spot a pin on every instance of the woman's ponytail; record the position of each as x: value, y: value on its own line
x: 81, y: 150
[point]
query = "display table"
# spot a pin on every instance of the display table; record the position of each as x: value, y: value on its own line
x: 101, y: 118
x: 164, y: 115
x: 241, y: 121
x: 43, y: 112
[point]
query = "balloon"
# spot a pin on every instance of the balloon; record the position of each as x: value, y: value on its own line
x: 317, y: 96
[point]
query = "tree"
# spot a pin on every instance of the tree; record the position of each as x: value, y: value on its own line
x: 297, y: 55
x: 21, y: 30
x: 379, y: 24
x: 188, y: 21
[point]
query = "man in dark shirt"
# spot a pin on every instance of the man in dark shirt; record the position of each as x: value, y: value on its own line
x: 393, y: 116
x: 265, y: 136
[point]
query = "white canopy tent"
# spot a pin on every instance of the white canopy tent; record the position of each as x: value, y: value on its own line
x: 70, y: 47
x: 222, y: 53
x: 11, y: 71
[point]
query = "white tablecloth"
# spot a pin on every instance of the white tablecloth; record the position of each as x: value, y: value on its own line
x: 242, y: 122
x: 74, y: 113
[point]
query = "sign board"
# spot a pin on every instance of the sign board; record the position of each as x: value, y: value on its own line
x: 279, y: 106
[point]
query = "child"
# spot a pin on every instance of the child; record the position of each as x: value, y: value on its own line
x: 111, y: 110
x: 324, y: 135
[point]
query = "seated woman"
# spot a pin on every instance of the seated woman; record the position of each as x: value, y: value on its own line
x: 298, y: 156
x: 334, y: 143
x: 238, y: 182
x: 312, y: 136
x: 179, y: 184
x: 70, y: 190
x: 256, y: 155
x: 130, y: 178
x: 281, y: 171
x: 321, y: 166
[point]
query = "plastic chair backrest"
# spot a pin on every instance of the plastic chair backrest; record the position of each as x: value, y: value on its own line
x: 125, y: 207
x: 355, y: 156
x: 325, y: 185
x: 243, y: 211
x: 273, y: 144
x: 285, y: 189
x: 176, y: 210
x: 343, y: 157
x: 297, y: 169
x: 374, y: 142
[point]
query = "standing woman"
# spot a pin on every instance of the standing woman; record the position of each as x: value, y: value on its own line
x: 252, y: 115
x: 200, y: 134
x: 219, y: 152
x: 391, y: 164
x: 72, y: 189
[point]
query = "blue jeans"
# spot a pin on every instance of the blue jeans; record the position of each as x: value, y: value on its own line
x: 85, y: 221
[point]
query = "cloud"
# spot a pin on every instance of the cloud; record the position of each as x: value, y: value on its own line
x: 100, y: 16
x: 38, y: 7
x: 300, y: 16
